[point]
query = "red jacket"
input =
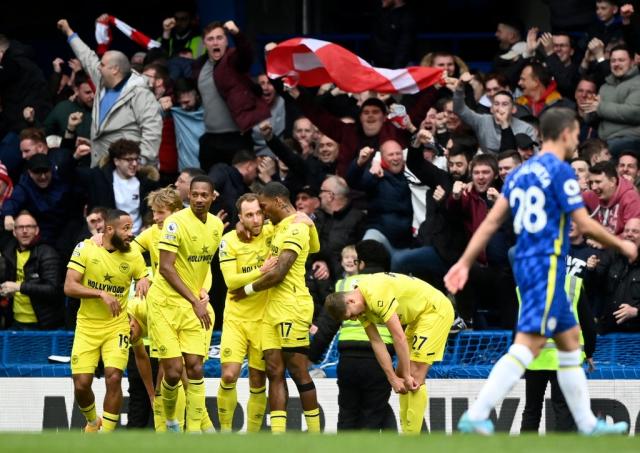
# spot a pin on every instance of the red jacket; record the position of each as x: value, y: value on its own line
x: 472, y: 208
x: 231, y: 77
x: 614, y: 214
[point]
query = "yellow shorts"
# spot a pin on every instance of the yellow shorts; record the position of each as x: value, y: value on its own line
x: 239, y: 339
x: 175, y: 329
x: 427, y: 336
x: 92, y: 342
x: 286, y: 324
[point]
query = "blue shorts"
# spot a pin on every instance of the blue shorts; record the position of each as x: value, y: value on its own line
x: 545, y: 308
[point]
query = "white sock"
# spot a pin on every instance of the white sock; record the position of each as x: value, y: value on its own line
x: 573, y: 384
x: 504, y: 375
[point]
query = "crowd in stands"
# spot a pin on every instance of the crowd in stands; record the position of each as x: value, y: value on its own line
x: 113, y: 128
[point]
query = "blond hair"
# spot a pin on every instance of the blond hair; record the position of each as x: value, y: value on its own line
x: 167, y: 197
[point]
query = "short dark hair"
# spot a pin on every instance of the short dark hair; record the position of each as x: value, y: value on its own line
x: 632, y: 153
x: 193, y: 171
x: 373, y: 254
x: 242, y: 156
x: 212, y: 26
x: 504, y: 93
x: 485, y: 159
x: 113, y: 215
x: 540, y: 72
x: 161, y: 72
x: 590, y: 147
x: 80, y: 78
x: 555, y: 120
x: 99, y: 210
x: 34, y: 134
x: 623, y: 47
x: 607, y: 168
x: 510, y: 153
x: 123, y: 147
x: 202, y: 178
x: 183, y: 85
x: 248, y: 197
x: 275, y: 189
x: 498, y: 77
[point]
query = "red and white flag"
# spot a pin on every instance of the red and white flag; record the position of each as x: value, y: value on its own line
x: 312, y: 62
x: 103, y: 34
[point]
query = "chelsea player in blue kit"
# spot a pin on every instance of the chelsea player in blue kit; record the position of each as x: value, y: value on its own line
x: 541, y: 195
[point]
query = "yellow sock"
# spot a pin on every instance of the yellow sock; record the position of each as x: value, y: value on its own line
x: 227, y: 400
x: 159, y: 420
x: 278, y: 421
x: 415, y: 410
x: 206, y: 426
x: 89, y: 413
x: 312, y: 418
x: 255, y: 408
x: 404, y: 405
x: 195, y: 405
x: 181, y: 405
x: 169, y: 396
x: 109, y: 422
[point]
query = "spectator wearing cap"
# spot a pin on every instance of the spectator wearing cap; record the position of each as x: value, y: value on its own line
x: 232, y: 181
x: 496, y: 131
x: 526, y: 146
x: 371, y: 129
x: 47, y: 196
x: 32, y: 278
x: 618, y: 104
x: 539, y: 90
x: 512, y: 46
x: 307, y: 200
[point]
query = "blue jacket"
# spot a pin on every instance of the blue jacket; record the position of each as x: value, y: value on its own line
x: 52, y: 207
x: 389, y: 208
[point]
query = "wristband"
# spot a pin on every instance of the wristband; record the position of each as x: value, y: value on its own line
x: 248, y: 289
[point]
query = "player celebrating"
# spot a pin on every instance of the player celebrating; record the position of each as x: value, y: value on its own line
x: 241, y: 263
x: 397, y: 300
x: 289, y: 310
x: 100, y: 276
x: 541, y: 194
x: 179, y: 303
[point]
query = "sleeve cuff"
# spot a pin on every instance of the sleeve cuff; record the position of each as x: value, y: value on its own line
x: 73, y: 35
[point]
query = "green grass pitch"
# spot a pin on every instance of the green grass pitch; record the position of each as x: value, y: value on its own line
x: 141, y: 442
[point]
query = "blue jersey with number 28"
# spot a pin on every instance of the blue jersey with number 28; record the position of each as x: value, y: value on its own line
x: 542, y: 193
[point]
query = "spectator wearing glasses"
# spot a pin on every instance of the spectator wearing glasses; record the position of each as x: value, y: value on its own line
x: 32, y: 278
x: 119, y: 184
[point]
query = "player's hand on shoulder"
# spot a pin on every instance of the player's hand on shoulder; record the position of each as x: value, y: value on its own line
x: 269, y: 264
x: 301, y: 217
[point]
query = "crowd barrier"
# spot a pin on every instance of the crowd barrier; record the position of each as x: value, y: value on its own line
x: 469, y: 355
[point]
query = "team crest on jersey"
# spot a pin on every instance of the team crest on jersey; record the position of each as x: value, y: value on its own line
x: 74, y: 359
x: 172, y: 227
x: 226, y: 352
x: 551, y: 324
x: 162, y: 349
x: 294, y: 231
x: 124, y: 268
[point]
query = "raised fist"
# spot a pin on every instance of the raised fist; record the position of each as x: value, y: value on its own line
x: 231, y: 27
x: 168, y: 24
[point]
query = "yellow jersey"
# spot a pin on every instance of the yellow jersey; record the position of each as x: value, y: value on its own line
x: 22, y: 308
x: 240, y: 264
x: 386, y: 293
x: 291, y: 236
x: 111, y: 272
x: 137, y: 308
x: 194, y: 244
x: 147, y: 241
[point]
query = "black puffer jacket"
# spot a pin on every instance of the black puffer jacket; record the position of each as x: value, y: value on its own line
x: 42, y: 282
